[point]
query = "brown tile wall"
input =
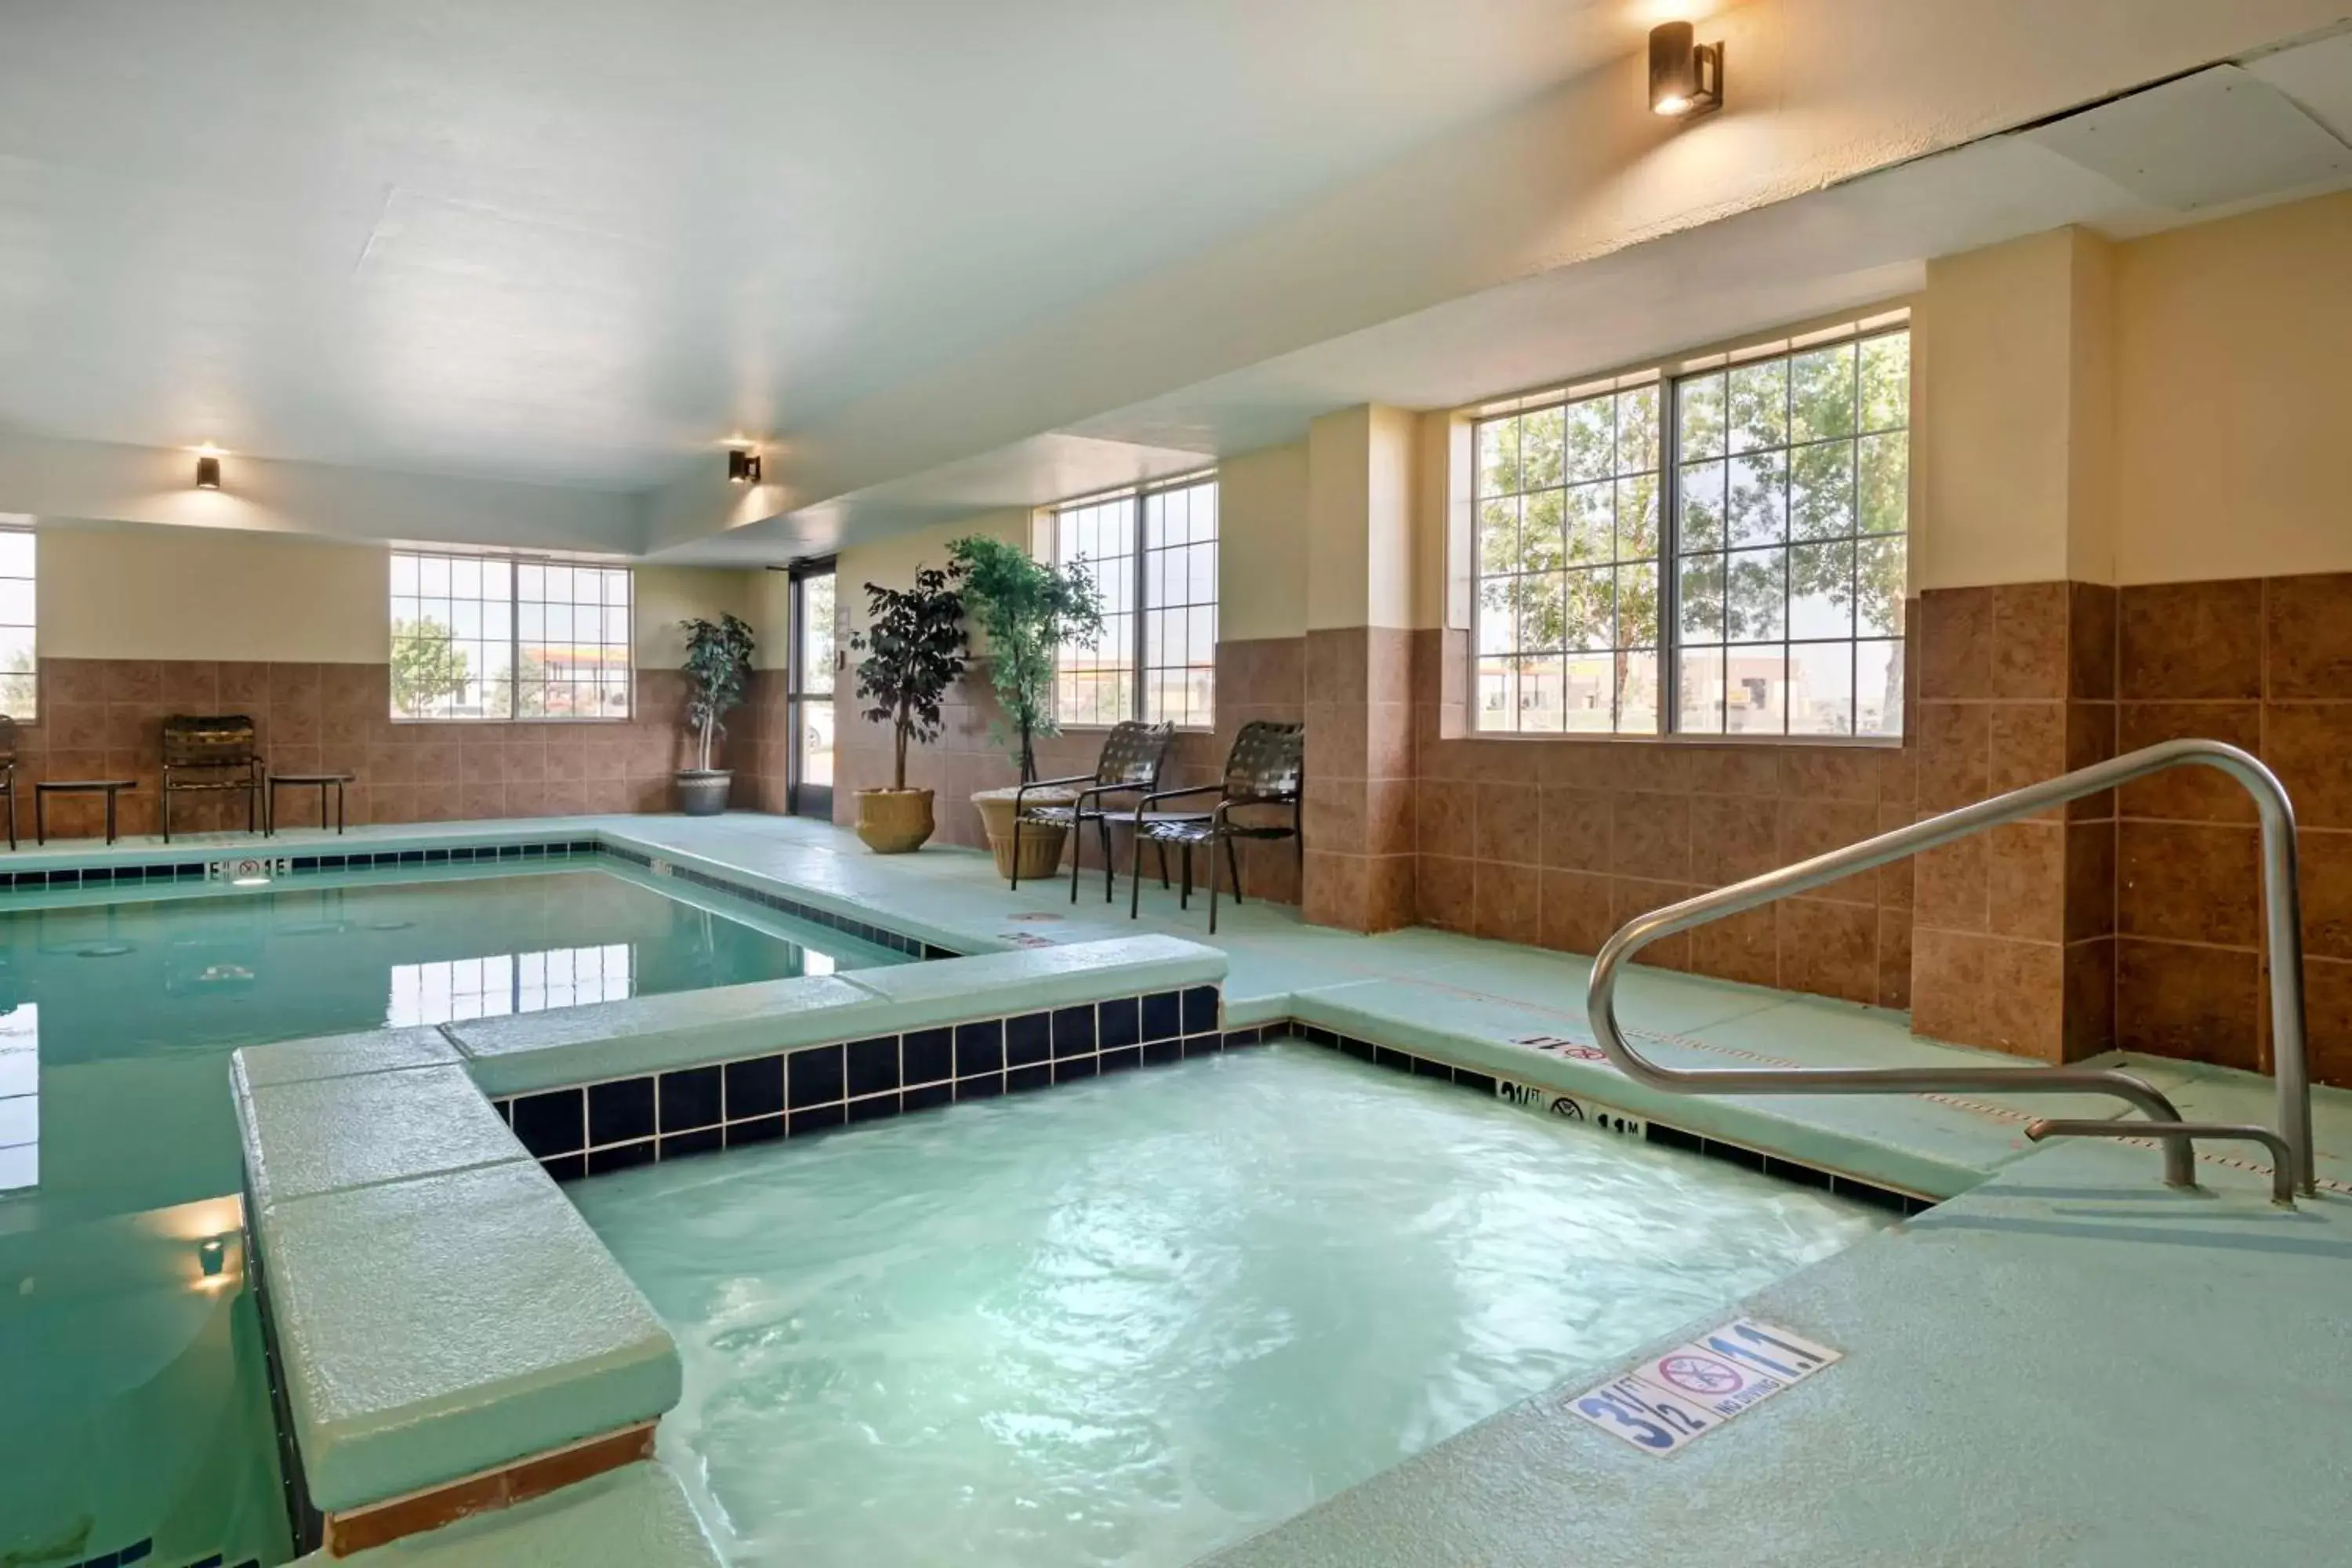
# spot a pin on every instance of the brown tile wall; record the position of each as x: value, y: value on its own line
x: 2013, y: 930
x: 1360, y: 782
x: 104, y: 716
x: 2266, y: 664
x: 1559, y: 842
x: 1255, y: 680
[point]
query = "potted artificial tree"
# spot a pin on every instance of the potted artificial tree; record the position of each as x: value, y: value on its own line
x: 718, y: 667
x: 1026, y: 609
x: 914, y: 646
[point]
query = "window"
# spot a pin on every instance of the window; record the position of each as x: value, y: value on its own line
x: 1777, y: 483
x: 1153, y: 553
x: 20, y: 685
x: 492, y: 637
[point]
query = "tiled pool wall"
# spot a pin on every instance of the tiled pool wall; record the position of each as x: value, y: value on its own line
x: 594, y: 1127
x: 210, y: 865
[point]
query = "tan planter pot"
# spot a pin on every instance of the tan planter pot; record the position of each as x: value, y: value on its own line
x: 1041, y: 842
x: 894, y: 821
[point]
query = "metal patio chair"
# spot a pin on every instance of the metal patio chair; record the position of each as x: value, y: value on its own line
x: 1267, y: 768
x: 1132, y: 756
x: 210, y: 753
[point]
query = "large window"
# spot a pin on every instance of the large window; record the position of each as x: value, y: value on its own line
x: 1775, y: 481
x: 1153, y: 555
x: 20, y: 685
x: 493, y: 638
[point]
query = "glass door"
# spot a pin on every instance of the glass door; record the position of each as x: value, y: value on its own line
x: 816, y: 661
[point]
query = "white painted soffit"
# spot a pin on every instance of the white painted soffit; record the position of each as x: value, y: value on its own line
x: 1246, y: 340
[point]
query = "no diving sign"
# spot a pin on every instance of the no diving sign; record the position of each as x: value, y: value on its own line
x: 1663, y: 1404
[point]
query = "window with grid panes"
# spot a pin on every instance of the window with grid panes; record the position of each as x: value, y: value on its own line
x: 20, y: 684
x: 1568, y: 558
x: 498, y: 639
x: 1777, y: 484
x: 1153, y: 556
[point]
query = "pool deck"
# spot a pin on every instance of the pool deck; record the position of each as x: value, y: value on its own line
x: 2065, y: 1363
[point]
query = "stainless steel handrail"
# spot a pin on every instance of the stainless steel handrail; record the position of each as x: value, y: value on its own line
x: 2282, y: 910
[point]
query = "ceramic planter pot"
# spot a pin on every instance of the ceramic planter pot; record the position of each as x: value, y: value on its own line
x: 702, y: 791
x: 894, y: 821
x: 1041, y: 842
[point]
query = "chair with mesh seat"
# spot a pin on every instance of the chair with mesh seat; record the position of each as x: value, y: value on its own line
x: 1264, y: 774
x: 212, y: 754
x: 1132, y: 756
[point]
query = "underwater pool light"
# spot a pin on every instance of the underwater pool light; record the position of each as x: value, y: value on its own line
x: 211, y: 1253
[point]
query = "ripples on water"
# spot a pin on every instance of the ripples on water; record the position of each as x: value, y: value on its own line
x: 1134, y: 1319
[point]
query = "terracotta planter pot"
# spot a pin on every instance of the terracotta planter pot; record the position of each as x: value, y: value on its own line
x: 894, y: 821
x: 1041, y: 842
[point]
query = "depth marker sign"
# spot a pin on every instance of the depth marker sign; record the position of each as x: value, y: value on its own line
x: 1664, y: 1403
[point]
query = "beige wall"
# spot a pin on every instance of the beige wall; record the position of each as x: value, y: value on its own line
x: 1360, y: 507
x: 1262, y: 508
x: 2233, y: 396
x: 130, y: 591
x: 2008, y: 357
x: 893, y: 561
x: 134, y: 591
x: 668, y: 594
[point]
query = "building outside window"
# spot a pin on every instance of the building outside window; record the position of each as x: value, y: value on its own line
x: 1153, y: 553
x: 1775, y: 481
x: 496, y: 638
x: 20, y: 684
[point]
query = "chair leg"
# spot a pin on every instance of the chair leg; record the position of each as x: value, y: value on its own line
x: 1161, y: 845
x: 1135, y: 878
x: 165, y: 802
x: 1185, y: 900
x: 1110, y: 865
x: 1212, y: 886
x: 1078, y: 853
x: 1016, y: 852
x: 12, y: 813
x: 1233, y: 860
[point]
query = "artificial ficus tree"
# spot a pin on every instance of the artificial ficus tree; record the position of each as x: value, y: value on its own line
x: 914, y: 648
x: 1027, y: 609
x: 718, y: 667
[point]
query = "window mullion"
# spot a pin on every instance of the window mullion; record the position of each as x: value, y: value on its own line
x: 1141, y: 707
x: 1670, y: 576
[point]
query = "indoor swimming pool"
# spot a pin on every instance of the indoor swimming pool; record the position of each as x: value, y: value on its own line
x: 131, y: 1380
x: 1134, y: 1319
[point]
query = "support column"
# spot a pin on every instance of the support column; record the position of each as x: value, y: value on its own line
x: 1359, y: 806
x: 2013, y: 930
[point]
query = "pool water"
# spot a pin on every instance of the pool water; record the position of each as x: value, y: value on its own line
x: 1132, y: 1321
x: 133, y: 1404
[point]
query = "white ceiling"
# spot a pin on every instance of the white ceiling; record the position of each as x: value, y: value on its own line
x: 582, y: 241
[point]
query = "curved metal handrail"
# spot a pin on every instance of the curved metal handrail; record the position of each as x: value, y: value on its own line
x: 2282, y: 906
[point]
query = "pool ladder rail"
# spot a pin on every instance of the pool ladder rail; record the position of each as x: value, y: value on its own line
x: 2292, y: 1168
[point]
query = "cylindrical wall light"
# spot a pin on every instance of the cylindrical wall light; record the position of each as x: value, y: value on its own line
x: 743, y: 466
x: 1686, y: 76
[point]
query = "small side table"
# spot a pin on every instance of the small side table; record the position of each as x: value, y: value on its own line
x: 48, y: 787
x: 304, y: 780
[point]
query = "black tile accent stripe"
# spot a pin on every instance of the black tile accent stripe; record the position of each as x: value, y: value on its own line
x: 612, y: 1124
x: 1658, y: 1132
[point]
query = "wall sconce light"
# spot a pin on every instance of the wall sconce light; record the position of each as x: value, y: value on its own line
x: 743, y: 466
x: 210, y: 1254
x: 208, y: 471
x: 1686, y: 76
